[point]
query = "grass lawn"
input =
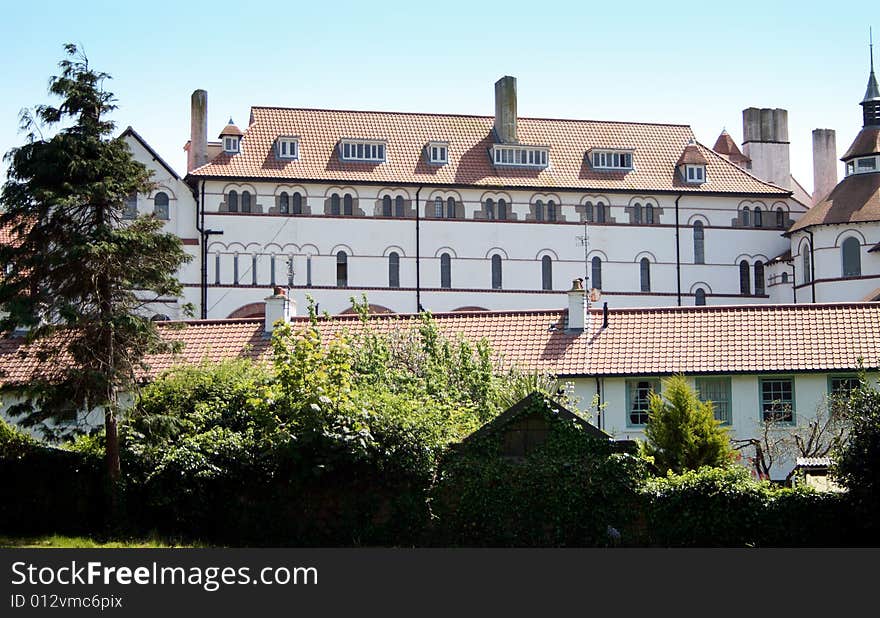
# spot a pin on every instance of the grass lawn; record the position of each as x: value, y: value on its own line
x: 82, y: 542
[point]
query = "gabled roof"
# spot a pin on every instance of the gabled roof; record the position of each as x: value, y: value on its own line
x: 656, y: 150
x: 637, y: 342
x: 528, y: 403
x: 855, y: 199
x: 725, y: 145
x: 130, y: 131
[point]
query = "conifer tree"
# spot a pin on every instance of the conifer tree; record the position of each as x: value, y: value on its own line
x: 682, y: 431
x: 78, y: 278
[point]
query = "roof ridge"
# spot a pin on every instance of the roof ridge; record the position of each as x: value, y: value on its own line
x: 480, y: 116
x: 733, y: 165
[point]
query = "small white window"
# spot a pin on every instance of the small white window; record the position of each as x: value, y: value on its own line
x: 288, y: 148
x: 231, y: 143
x: 438, y: 153
x: 520, y: 157
x: 611, y: 159
x: 695, y: 173
x: 361, y: 150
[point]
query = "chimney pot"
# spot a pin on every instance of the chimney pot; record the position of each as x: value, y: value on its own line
x: 278, y: 307
x: 577, y: 307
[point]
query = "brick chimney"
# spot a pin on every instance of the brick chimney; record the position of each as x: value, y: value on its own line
x: 197, y: 150
x: 578, y: 317
x: 278, y: 307
x: 505, y: 110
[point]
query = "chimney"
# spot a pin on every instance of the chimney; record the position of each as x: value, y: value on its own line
x: 578, y: 317
x: 505, y: 110
x: 197, y: 154
x: 824, y: 163
x: 765, y: 142
x: 278, y: 307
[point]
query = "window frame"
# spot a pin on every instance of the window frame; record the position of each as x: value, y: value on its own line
x: 394, y: 270
x: 437, y: 153
x: 612, y: 159
x: 644, y: 275
x: 695, y: 174
x: 363, y: 150
x: 632, y: 386
x: 762, y: 402
x: 287, y: 147
x: 231, y: 144
x: 547, y: 273
x: 497, y: 272
x: 856, y: 256
x: 445, y: 271
x: 535, y: 157
x: 342, y: 269
x: 725, y: 381
x: 699, y: 242
x: 162, y: 211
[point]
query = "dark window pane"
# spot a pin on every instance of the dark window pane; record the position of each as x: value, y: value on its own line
x: 445, y: 271
x: 852, y: 259
x: 596, y: 273
x: 546, y: 273
x: 645, y: 275
x: 744, y: 284
x: 386, y: 206
x: 394, y: 270
x: 341, y: 269
x: 496, y: 272
x: 232, y: 201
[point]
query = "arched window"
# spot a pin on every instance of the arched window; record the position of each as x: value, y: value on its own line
x: 780, y: 218
x: 347, y: 205
x: 160, y: 205
x: 596, y: 275
x: 450, y: 208
x: 334, y: 205
x: 445, y: 271
x: 539, y: 210
x: 217, y: 269
x: 852, y: 259
x: 235, y: 272
x: 438, y: 207
x: 308, y: 270
x: 393, y: 270
x: 546, y: 273
x: 341, y: 269
x: 744, y: 283
x: 254, y: 269
x: 807, y: 263
x: 496, y: 272
x: 490, y: 209
x: 551, y: 210
x: 297, y: 203
x: 386, y: 206
x: 759, y: 278
x: 700, y: 297
x: 645, y: 275
x: 130, y: 207
x: 649, y: 214
x: 284, y: 203
x: 759, y: 217
x: 502, y: 209
x: 588, y: 214
x: 699, y: 245
x: 398, y: 206
x: 784, y: 277
x: 746, y: 217
x: 245, y: 201
x: 600, y: 212
x: 272, y: 274
x: 232, y: 201
x: 637, y: 213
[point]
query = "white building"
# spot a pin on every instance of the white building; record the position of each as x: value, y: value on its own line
x: 449, y: 212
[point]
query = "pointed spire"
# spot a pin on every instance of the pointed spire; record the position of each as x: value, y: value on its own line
x: 873, y: 92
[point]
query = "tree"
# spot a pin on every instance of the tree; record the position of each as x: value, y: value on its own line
x: 80, y: 278
x: 682, y: 431
x: 857, y: 461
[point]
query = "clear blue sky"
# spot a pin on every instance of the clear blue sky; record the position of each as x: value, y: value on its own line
x: 697, y: 63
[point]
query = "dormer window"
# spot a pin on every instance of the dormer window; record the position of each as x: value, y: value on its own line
x: 371, y: 151
x: 612, y: 159
x: 520, y: 156
x: 695, y: 173
x: 231, y: 144
x: 287, y: 148
x: 437, y: 153
x: 862, y: 165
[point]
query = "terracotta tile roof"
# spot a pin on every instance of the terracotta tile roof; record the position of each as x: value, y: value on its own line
x: 855, y: 199
x: 867, y: 142
x: 656, y: 149
x: 691, y: 155
x: 230, y: 129
x: 660, y: 341
x: 725, y: 145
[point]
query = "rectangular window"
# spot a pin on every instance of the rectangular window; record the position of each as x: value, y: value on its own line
x: 637, y: 399
x: 866, y: 164
x: 611, y: 159
x: 839, y: 390
x: 517, y: 156
x: 716, y: 390
x: 288, y: 148
x: 777, y: 399
x: 438, y: 153
x: 357, y: 150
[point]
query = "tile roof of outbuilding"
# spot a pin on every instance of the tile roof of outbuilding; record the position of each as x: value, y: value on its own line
x: 656, y: 150
x: 637, y: 342
x: 855, y: 199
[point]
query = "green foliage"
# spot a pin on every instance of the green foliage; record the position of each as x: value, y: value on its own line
x: 682, y: 432
x: 724, y: 507
x: 76, y: 266
x: 14, y: 444
x: 857, y: 461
